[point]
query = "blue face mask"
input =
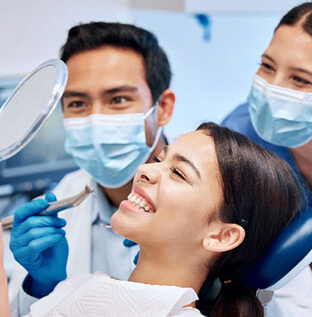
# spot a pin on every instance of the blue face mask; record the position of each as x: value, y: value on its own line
x: 279, y: 115
x: 110, y: 147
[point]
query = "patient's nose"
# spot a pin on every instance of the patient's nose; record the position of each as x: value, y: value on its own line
x: 148, y: 173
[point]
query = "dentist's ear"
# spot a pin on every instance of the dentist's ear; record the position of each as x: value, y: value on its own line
x: 223, y: 237
x: 165, y: 107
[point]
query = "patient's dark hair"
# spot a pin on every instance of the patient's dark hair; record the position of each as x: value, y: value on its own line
x: 94, y: 35
x: 301, y: 14
x: 262, y: 194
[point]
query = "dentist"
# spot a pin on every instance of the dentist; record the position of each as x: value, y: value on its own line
x: 116, y: 101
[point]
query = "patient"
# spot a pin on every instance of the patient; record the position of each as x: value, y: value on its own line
x: 212, y: 202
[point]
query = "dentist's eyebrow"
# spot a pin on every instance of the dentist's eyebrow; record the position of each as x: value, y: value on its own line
x: 68, y: 94
x: 120, y: 89
x: 181, y: 158
x: 71, y: 93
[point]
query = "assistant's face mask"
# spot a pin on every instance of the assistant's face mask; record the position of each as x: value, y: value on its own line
x: 110, y: 147
x: 279, y: 115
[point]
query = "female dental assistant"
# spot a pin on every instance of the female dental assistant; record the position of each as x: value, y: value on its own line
x: 278, y: 116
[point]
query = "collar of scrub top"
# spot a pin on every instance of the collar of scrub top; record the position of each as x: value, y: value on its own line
x: 102, y: 210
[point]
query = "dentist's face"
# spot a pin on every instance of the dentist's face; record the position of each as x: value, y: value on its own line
x: 106, y: 80
x: 287, y: 62
x: 172, y: 199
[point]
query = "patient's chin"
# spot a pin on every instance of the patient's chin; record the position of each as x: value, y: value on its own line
x: 116, y: 223
x: 122, y: 225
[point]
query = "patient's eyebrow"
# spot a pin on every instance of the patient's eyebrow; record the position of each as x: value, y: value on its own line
x: 181, y: 158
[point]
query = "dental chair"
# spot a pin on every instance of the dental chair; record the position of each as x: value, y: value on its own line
x: 288, y: 256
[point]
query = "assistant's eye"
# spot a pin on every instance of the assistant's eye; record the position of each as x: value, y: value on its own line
x: 266, y: 66
x: 156, y: 159
x: 301, y: 82
x: 178, y: 172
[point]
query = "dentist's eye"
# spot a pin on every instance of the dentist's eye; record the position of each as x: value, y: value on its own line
x: 178, y: 172
x: 75, y: 104
x: 156, y: 159
x: 119, y: 99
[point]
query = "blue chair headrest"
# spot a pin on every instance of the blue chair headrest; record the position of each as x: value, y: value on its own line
x: 289, y: 254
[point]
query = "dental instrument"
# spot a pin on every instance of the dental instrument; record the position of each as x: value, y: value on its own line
x: 55, y: 206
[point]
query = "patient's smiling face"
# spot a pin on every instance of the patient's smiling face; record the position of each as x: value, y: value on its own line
x: 172, y: 199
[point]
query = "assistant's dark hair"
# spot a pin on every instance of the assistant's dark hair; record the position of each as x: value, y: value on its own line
x: 262, y: 194
x: 93, y: 35
x: 301, y: 14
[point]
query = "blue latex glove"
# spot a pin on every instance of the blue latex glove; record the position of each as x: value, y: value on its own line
x: 128, y: 243
x: 38, y: 243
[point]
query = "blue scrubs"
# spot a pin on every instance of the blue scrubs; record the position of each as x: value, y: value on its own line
x: 239, y: 120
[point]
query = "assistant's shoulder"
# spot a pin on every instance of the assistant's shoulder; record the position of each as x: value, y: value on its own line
x: 239, y: 112
x: 239, y: 120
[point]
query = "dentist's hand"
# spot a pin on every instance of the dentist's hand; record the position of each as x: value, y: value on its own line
x: 38, y: 243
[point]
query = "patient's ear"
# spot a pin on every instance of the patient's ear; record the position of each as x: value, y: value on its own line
x: 223, y: 237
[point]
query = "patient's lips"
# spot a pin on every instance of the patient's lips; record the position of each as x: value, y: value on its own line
x: 139, y: 202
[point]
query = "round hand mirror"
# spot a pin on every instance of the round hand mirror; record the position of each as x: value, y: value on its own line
x: 29, y: 106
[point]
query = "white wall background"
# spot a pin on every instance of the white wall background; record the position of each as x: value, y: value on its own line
x: 277, y: 6
x: 209, y: 77
x: 32, y: 31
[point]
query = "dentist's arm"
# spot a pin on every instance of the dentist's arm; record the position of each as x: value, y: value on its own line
x: 38, y: 243
x: 4, y: 298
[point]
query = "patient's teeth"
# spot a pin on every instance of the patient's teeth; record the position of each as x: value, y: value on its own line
x: 139, y: 202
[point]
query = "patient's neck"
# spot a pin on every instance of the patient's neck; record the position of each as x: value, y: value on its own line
x: 164, y: 270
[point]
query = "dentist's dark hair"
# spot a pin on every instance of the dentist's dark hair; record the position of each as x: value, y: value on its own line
x: 301, y: 14
x: 261, y: 194
x: 93, y: 35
